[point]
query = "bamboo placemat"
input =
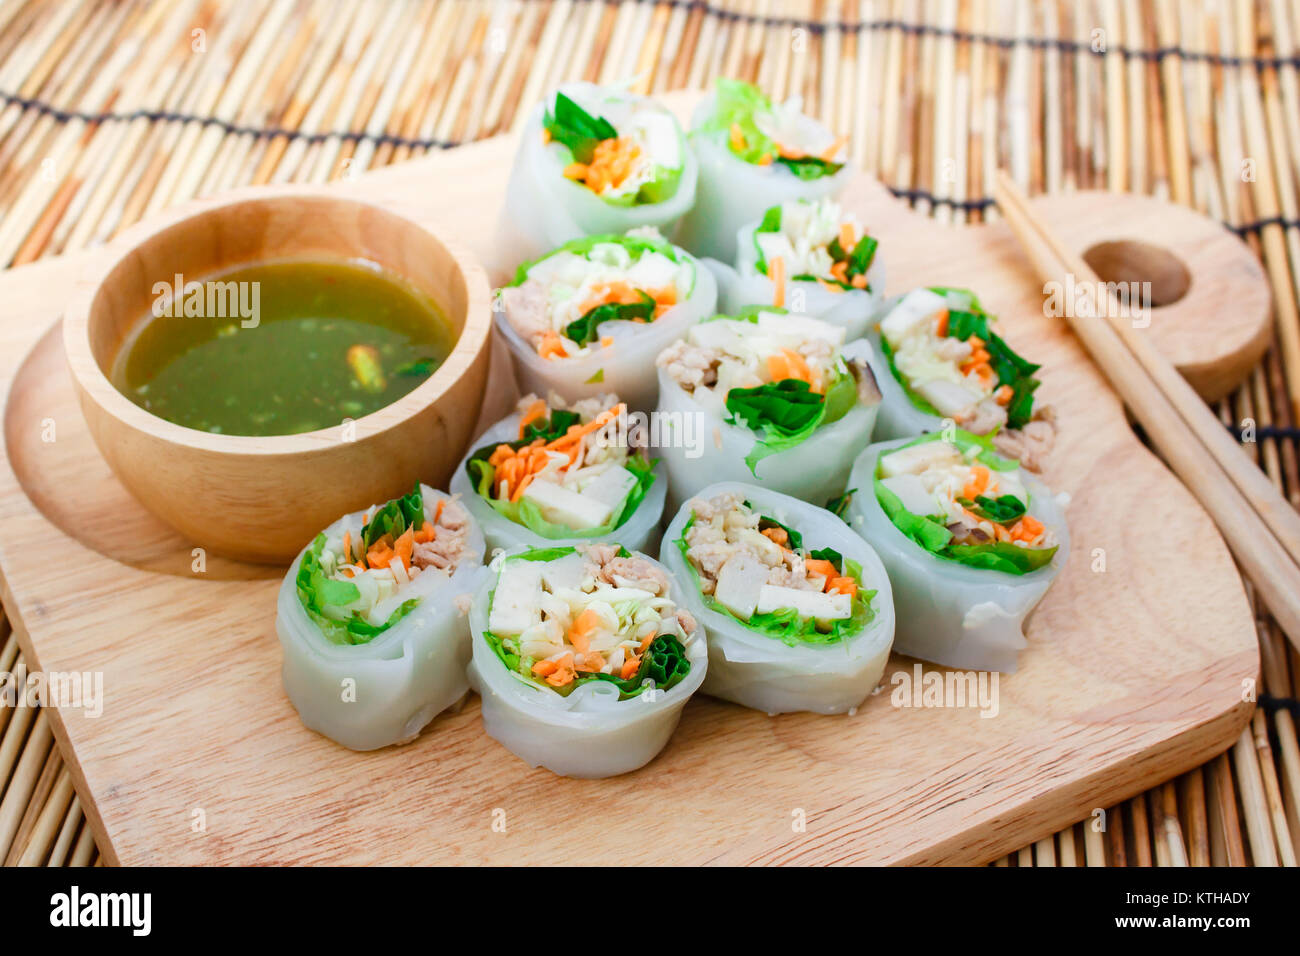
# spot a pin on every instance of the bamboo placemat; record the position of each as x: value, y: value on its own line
x: 110, y: 111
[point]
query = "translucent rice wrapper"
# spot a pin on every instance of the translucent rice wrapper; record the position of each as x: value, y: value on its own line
x: 949, y: 613
x: 590, y: 733
x: 898, y: 418
x: 543, y: 209
x: 815, y: 470
x: 732, y: 192
x: 638, y: 533
x: 764, y: 673
x: 627, y: 367
x: 744, y: 285
x: 405, y: 676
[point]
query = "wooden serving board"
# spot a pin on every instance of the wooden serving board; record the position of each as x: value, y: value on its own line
x: 1134, y: 673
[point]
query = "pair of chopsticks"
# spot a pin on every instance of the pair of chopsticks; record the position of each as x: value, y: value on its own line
x: 1259, y: 525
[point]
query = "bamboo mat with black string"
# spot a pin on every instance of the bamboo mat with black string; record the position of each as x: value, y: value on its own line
x: 113, y: 109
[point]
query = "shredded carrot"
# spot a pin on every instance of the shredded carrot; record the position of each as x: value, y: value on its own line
x: 578, y: 432
x: 1026, y: 529
x: 582, y: 628
x: 828, y: 155
x: 777, y: 535
x: 1003, y: 395
x: 843, y: 585
x: 551, y: 345
x: 821, y: 567
x: 776, y: 269
x: 611, y: 164
x: 646, y: 642
x: 535, y: 411
x: 778, y: 367
x: 347, y: 545
x: 859, y: 281
x: 978, y: 482
x: 426, y: 533
x: 379, y: 558
x: 546, y: 135
x: 737, y: 138
x: 563, y: 673
x: 847, y: 240
x: 592, y: 661
x: 404, y: 546
x: 437, y: 512
x: 545, y: 668
x: 606, y: 341
x: 765, y: 160
x: 799, y: 365
x: 840, y: 271
x: 630, y: 667
x: 829, y: 286
x: 941, y: 329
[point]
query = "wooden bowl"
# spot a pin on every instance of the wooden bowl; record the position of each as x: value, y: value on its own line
x: 262, y: 499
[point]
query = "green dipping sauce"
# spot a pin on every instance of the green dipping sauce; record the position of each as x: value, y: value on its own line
x: 312, y: 344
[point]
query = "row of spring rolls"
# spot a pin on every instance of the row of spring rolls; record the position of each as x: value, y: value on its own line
x: 585, y: 651
x: 798, y: 552
x: 584, y: 654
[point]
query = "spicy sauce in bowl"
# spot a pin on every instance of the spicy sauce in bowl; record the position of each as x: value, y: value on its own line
x: 280, y: 348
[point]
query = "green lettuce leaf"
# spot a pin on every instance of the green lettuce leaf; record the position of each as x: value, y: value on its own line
x: 783, y: 414
x: 573, y: 127
x: 316, y: 591
x: 839, y: 505
x: 395, y: 517
x: 636, y: 246
x: 583, y: 330
x: 809, y: 168
x: 1005, y: 509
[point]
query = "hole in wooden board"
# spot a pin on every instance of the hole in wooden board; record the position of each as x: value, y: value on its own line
x: 1131, y: 260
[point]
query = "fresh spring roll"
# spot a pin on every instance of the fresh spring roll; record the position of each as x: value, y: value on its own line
x: 940, y: 359
x: 590, y: 317
x: 970, y: 540
x: 797, y: 606
x: 769, y: 397
x: 593, y: 160
x: 557, y: 474
x: 754, y: 153
x: 372, y: 619
x: 584, y: 657
x: 811, y: 256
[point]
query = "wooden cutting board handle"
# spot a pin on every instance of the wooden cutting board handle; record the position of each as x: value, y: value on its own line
x: 1212, y: 307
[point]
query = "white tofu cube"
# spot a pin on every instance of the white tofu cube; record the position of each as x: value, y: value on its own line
x: 918, y: 458
x: 916, y: 306
x: 740, y: 580
x: 948, y: 398
x: 611, y: 488
x: 821, y: 607
x: 516, y: 601
x: 911, y: 491
x: 562, y: 506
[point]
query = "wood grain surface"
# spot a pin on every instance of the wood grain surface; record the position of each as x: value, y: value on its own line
x: 1134, y: 673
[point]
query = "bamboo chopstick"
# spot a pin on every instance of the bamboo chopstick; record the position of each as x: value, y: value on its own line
x: 1259, y: 525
